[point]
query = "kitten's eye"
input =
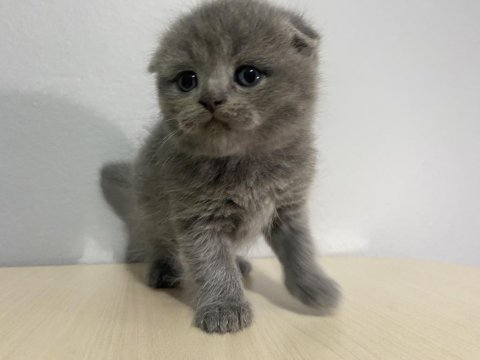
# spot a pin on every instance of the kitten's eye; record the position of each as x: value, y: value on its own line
x: 248, y: 76
x: 187, y: 81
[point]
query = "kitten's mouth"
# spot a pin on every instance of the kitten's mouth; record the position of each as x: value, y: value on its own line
x: 215, y: 123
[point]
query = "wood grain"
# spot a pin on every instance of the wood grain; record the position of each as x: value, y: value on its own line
x: 393, y: 309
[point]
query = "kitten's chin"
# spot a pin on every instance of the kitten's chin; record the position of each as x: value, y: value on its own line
x: 215, y: 125
x: 214, y: 141
x: 222, y: 134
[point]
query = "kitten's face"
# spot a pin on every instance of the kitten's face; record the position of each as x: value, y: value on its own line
x: 235, y: 77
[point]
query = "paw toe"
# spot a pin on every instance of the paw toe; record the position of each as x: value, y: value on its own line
x: 224, y: 318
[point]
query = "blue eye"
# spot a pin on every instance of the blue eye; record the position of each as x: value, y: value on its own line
x: 248, y: 76
x: 187, y: 81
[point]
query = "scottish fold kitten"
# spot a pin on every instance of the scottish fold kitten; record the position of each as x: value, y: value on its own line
x: 232, y: 158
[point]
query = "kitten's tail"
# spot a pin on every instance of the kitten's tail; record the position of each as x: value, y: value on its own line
x: 117, y: 187
x: 116, y: 181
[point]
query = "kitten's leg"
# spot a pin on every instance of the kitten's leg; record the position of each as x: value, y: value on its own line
x: 164, y: 272
x: 164, y: 269
x: 220, y: 303
x: 243, y: 265
x: 290, y: 239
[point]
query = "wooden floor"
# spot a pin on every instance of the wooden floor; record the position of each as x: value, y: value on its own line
x: 393, y: 309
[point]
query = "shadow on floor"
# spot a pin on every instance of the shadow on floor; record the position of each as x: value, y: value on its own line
x: 257, y: 282
x: 276, y: 293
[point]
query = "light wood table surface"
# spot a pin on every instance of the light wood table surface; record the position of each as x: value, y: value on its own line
x: 392, y: 309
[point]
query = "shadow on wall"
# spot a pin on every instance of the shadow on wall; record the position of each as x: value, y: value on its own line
x: 51, y: 207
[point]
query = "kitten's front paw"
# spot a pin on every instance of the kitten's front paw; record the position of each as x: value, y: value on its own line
x: 224, y: 318
x: 315, y: 290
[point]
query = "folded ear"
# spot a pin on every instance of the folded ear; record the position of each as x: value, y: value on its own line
x: 304, y: 38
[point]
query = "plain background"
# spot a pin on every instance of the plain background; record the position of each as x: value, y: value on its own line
x: 398, y: 125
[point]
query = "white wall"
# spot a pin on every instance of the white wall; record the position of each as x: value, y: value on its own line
x: 399, y: 125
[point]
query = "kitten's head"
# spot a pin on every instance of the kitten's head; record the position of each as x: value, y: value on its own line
x: 236, y: 77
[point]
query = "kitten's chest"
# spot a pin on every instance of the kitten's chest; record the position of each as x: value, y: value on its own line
x: 250, y: 187
x: 244, y: 210
x: 255, y: 195
x: 238, y: 196
x: 255, y: 217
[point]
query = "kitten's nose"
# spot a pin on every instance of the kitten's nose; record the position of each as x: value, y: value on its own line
x: 211, y: 104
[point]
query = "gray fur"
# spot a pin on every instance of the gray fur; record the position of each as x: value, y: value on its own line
x: 206, y: 187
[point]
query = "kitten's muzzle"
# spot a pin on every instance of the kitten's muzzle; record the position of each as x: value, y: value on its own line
x: 211, y: 104
x: 216, y: 123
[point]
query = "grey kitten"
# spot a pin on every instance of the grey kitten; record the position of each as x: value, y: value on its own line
x: 232, y: 158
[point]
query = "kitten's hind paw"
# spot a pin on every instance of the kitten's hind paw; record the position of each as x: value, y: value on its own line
x: 244, y: 265
x: 164, y: 273
x: 224, y: 318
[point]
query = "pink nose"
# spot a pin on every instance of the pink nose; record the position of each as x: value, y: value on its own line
x: 211, y: 104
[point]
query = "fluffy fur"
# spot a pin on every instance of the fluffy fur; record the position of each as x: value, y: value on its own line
x: 207, y: 183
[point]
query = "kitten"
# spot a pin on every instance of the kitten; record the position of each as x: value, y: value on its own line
x: 232, y: 158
